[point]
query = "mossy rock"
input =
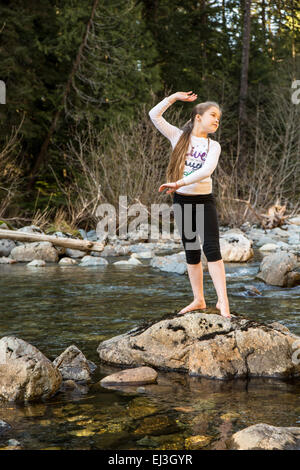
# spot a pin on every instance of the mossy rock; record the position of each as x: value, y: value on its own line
x: 7, y: 224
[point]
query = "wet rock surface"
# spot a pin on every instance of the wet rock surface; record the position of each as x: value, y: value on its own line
x: 25, y: 373
x: 207, y: 345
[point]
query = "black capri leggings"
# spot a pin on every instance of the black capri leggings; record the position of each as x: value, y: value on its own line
x: 195, y: 216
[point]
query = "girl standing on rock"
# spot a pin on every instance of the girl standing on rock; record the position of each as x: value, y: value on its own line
x: 193, y: 160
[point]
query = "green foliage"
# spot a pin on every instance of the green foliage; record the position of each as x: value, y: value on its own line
x: 134, y: 49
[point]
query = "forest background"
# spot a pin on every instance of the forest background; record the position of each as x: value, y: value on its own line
x: 81, y: 77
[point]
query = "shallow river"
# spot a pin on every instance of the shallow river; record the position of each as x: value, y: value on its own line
x: 55, y: 307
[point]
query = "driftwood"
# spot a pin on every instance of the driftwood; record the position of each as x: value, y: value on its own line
x: 273, y: 218
x: 75, y: 244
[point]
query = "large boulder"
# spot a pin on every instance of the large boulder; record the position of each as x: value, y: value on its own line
x: 265, y: 437
x: 277, y: 269
x: 235, y: 246
x: 25, y: 373
x: 206, y: 345
x: 35, y: 250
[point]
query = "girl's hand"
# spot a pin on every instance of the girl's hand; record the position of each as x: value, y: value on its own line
x: 184, y: 96
x: 172, y: 187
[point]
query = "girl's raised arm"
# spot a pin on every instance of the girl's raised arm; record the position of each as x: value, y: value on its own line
x: 156, y: 115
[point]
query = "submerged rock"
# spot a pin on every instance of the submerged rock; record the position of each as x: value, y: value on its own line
x: 197, y: 442
x: 25, y: 373
x: 206, y: 345
x: 263, y: 436
x: 4, y: 427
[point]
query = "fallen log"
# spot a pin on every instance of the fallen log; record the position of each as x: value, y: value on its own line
x: 75, y: 244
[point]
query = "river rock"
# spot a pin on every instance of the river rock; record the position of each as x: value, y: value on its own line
x: 140, y: 247
x: 136, y: 376
x: 277, y: 231
x: 235, y: 247
x: 295, y: 220
x: 67, y: 261
x: 264, y: 436
x: 197, y: 442
x: 115, y: 250
x: 30, y: 229
x: 293, y: 278
x: 25, y: 373
x: 175, y: 263
x: 5, y: 260
x: 132, y: 261
x: 275, y: 267
x: 266, y: 241
x: 143, y: 255
x: 206, y: 345
x: 4, y: 427
x: 74, y: 253
x: 93, y: 261
x: 139, y: 235
x: 92, y: 235
x: 35, y: 250
x: 294, y: 239
x: 269, y: 247
x: 73, y: 365
x: 37, y: 263
x: 6, y: 246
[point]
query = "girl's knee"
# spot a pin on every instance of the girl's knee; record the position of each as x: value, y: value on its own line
x: 212, y: 251
x: 193, y: 257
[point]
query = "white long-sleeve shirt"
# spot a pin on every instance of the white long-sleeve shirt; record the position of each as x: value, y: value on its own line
x: 199, y: 165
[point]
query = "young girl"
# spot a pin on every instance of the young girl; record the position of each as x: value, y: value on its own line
x: 193, y: 160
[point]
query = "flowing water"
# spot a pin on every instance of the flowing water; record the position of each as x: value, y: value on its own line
x: 54, y: 307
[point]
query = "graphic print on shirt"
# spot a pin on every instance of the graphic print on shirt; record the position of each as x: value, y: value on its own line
x: 200, y: 158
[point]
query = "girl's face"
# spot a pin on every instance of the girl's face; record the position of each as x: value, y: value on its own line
x: 210, y: 119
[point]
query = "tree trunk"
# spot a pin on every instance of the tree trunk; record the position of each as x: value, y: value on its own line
x: 83, y: 245
x: 245, y: 63
x: 41, y: 156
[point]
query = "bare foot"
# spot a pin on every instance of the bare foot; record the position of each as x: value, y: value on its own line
x: 224, y: 309
x: 195, y: 305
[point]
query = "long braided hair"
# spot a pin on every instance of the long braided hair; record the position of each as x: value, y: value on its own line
x: 177, y: 159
